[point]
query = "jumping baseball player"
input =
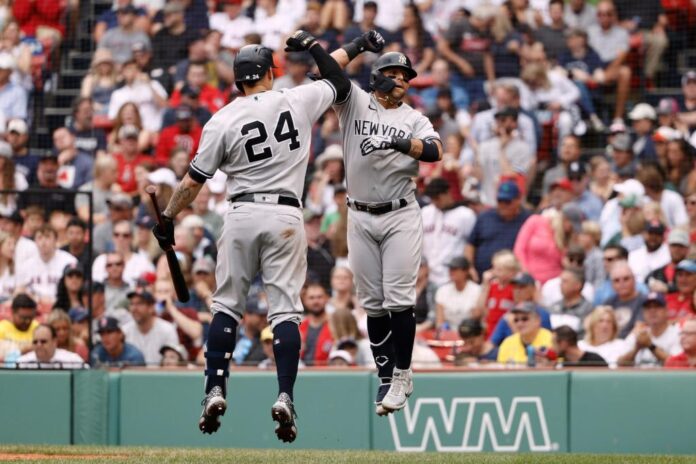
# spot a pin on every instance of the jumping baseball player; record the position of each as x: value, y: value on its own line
x: 261, y: 141
x: 383, y: 140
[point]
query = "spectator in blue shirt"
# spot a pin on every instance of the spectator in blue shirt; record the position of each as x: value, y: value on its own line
x: 13, y: 97
x: 113, y: 349
x: 76, y: 167
x: 496, y: 229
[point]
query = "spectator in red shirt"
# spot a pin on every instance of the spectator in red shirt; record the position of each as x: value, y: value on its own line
x: 680, y: 303
x: 40, y: 18
x: 496, y: 296
x: 188, y: 328
x: 210, y: 97
x: 317, y: 339
x: 687, y: 339
x: 128, y: 158
x: 185, y: 134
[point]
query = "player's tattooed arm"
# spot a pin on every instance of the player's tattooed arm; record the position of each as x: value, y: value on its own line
x: 184, y: 194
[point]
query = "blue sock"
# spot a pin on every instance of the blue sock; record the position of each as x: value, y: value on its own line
x: 382, y: 346
x: 403, y: 326
x: 286, y: 349
x: 222, y: 336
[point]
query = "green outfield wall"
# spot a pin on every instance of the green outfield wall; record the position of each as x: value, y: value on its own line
x: 507, y: 411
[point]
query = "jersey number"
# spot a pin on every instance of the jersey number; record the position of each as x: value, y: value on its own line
x: 285, y: 120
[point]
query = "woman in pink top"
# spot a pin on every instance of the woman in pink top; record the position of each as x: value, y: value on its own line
x: 543, y: 239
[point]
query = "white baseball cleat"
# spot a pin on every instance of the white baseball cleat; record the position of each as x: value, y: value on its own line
x: 401, y: 388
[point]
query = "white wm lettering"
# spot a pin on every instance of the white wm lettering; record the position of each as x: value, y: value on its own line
x: 485, y: 422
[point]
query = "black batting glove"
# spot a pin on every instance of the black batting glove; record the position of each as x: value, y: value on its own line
x: 165, y: 233
x: 300, y: 41
x: 370, y: 41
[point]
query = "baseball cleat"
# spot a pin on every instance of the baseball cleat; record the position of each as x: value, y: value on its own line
x: 283, y: 412
x: 214, y: 406
x: 399, y: 391
x: 381, y: 393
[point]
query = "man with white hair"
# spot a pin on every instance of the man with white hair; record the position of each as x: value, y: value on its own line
x: 203, y: 241
x: 628, y: 301
x: 135, y: 263
x: 687, y: 339
x: 13, y: 97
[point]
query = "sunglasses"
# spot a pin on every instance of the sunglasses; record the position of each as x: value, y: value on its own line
x: 120, y: 263
x: 622, y: 279
x: 40, y: 341
x: 124, y: 235
x: 521, y: 319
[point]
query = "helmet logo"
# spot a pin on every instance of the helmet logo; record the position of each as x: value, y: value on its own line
x: 402, y: 59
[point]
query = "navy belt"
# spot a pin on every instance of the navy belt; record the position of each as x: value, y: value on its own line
x: 271, y: 198
x: 378, y: 208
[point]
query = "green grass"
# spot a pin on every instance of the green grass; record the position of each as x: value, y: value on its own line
x: 72, y: 454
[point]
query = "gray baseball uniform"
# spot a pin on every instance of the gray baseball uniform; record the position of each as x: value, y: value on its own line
x: 385, y: 249
x: 262, y: 143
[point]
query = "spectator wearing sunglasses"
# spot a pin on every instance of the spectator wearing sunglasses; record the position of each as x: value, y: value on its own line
x: 46, y: 354
x: 528, y: 332
x: 135, y: 264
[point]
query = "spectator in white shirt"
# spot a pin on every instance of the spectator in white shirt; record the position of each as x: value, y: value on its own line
x: 652, y: 342
x: 456, y: 300
x: 653, y: 255
x: 147, y: 94
x: 601, y: 335
x: 232, y: 24
x: 46, y: 353
x: 446, y: 228
x: 671, y: 202
x: 148, y: 332
x: 40, y: 275
x: 135, y: 263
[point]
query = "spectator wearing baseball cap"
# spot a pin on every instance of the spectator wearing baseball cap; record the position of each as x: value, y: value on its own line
x: 173, y: 356
x: 120, y: 39
x: 622, y: 153
x: 653, y: 254
x: 204, y: 285
x: 680, y: 302
x: 249, y: 350
x: 664, y: 279
x: 113, y: 349
x: 588, y: 202
x: 185, y: 133
x: 565, y: 348
x: 496, y: 229
x: 643, y: 118
x: 688, y: 105
x: 446, y: 227
x: 475, y: 349
x: 129, y: 157
x: 652, y: 342
x: 560, y: 193
x: 528, y: 332
x: 456, y: 300
x: 628, y: 194
x: 148, y: 332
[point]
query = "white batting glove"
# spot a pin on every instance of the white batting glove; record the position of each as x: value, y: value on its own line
x: 376, y: 142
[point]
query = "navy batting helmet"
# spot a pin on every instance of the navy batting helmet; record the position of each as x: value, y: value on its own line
x: 389, y: 60
x: 251, y: 63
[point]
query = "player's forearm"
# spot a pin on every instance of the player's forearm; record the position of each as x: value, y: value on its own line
x: 429, y: 151
x: 184, y: 194
x: 341, y: 57
x: 331, y: 71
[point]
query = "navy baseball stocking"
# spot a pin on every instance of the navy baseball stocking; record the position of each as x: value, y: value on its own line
x: 222, y: 337
x: 403, y: 326
x: 286, y: 349
x: 382, y: 344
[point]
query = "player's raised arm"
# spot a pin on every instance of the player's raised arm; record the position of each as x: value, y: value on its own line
x: 328, y: 67
x: 371, y: 41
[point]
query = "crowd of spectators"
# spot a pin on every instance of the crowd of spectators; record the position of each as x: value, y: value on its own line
x: 558, y: 229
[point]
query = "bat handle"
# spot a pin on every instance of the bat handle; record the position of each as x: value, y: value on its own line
x: 155, y: 205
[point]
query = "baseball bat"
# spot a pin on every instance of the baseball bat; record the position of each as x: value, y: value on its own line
x: 182, y: 292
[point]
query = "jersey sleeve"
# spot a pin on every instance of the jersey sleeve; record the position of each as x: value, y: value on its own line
x: 211, y: 150
x: 423, y: 129
x: 314, y: 99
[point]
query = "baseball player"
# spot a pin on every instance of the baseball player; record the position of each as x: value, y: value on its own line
x: 261, y: 141
x: 383, y: 141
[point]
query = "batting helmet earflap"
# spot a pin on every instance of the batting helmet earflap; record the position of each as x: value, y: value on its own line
x: 251, y: 63
x: 389, y: 60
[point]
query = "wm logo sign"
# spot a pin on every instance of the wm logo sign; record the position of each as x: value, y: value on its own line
x: 472, y: 424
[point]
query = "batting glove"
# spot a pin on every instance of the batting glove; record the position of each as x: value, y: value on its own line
x: 165, y: 234
x: 300, y: 41
x: 371, y: 41
x: 376, y: 142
